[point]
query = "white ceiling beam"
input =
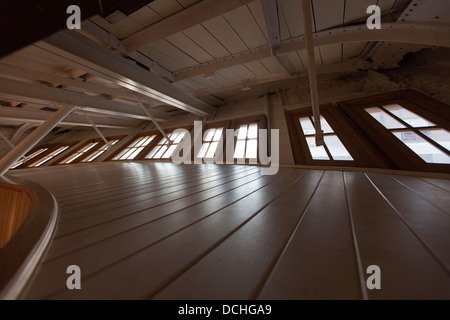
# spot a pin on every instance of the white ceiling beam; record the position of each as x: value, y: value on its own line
x: 189, y: 17
x: 271, y: 17
x: 26, y: 74
x: 416, y: 33
x: 344, y: 67
x: 32, y: 93
x: 75, y: 49
x: 34, y: 117
x: 110, y: 39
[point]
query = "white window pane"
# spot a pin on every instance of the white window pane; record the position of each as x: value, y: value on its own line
x: 240, y: 149
x: 242, y: 133
x: 141, y: 142
x: 71, y: 158
x: 127, y: 154
x: 153, y: 152
x: 212, y: 150
x: 160, y: 152
x: 135, y: 142
x: 409, y: 117
x: 385, y: 119
x: 317, y: 153
x: 209, y: 134
x: 120, y: 154
x: 337, y: 149
x: 326, y: 128
x: 180, y: 137
x: 135, y: 153
x: 252, y: 149
x: 252, y: 131
x: 218, y: 134
x: 422, y: 148
x: 203, y: 149
x: 163, y: 141
x: 307, y: 126
x: 440, y: 136
x: 170, y: 151
x: 93, y: 156
x: 31, y: 156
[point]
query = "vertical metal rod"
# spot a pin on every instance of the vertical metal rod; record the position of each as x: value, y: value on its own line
x: 152, y: 118
x: 307, y: 20
x: 97, y: 130
x: 30, y: 141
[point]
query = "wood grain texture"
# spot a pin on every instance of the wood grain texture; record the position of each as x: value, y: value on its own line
x: 15, y: 204
x: 161, y: 231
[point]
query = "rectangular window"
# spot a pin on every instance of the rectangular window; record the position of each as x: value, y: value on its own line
x: 97, y: 153
x: 332, y: 149
x: 28, y: 157
x: 131, y: 152
x: 247, y: 142
x: 79, y: 153
x: 164, y: 149
x: 211, y: 141
x: 48, y: 157
x: 430, y: 142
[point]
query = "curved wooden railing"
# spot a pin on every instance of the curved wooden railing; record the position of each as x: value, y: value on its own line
x: 28, y: 215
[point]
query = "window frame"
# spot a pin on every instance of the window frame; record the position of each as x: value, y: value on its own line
x: 158, y: 139
x: 225, y: 124
x: 99, y: 145
x: 46, y: 153
x: 261, y: 121
x: 399, y: 154
x: 363, y: 154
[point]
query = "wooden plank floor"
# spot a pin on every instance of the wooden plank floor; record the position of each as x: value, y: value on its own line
x: 163, y: 231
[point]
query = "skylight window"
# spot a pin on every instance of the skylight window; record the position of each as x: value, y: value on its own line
x: 247, y: 142
x: 424, y: 138
x: 211, y: 141
x: 28, y: 157
x: 164, y: 149
x: 97, y: 153
x: 48, y: 157
x: 333, y: 148
x: 131, y: 152
x: 79, y: 153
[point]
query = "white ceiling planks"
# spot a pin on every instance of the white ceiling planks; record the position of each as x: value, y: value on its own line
x: 174, y: 53
x: 386, y: 5
x: 296, y: 61
x: 258, y: 68
x: 129, y: 25
x: 291, y: 11
x: 331, y: 53
x: 273, y: 66
x: 258, y: 14
x: 225, y: 34
x: 187, y: 3
x: 352, y: 49
x: 167, y: 62
x: 328, y: 14
x: 165, y: 8
x: 109, y: 27
x: 206, y: 40
x: 356, y: 9
x: 242, y: 21
x: 189, y: 47
x: 146, y: 16
x: 303, y: 56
